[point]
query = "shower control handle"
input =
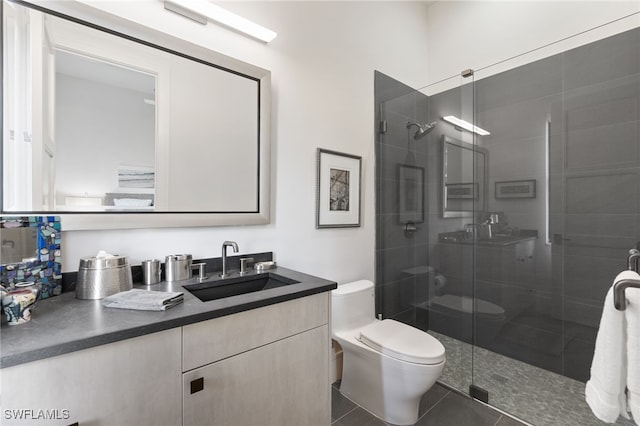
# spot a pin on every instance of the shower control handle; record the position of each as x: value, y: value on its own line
x: 410, y: 227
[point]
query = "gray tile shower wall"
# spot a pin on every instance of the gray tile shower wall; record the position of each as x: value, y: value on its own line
x: 397, y: 251
x: 589, y: 98
x: 601, y: 178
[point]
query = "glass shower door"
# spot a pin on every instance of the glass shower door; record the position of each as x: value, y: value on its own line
x: 565, y: 176
x: 456, y: 186
x: 419, y: 266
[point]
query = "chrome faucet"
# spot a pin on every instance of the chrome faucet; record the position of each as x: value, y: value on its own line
x: 224, y: 256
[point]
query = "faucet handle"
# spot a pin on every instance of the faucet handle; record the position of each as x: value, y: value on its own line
x: 244, y: 262
x: 202, y: 270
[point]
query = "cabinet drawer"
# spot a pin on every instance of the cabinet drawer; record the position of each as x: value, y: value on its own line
x: 209, y: 341
x: 282, y: 383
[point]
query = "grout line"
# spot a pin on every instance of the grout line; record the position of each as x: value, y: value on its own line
x: 345, y: 414
x: 498, y: 421
x: 434, y: 405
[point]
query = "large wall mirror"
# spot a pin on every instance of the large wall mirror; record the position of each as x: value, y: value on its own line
x: 112, y: 125
x: 464, y: 178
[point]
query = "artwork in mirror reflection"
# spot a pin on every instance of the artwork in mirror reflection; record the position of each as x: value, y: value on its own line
x: 31, y: 253
x: 410, y: 194
x: 122, y: 126
x: 464, y: 177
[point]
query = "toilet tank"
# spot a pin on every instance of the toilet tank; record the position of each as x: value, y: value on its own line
x: 352, y: 305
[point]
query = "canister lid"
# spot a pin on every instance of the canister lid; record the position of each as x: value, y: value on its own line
x: 95, y: 262
x: 177, y: 257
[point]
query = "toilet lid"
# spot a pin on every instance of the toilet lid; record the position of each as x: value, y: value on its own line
x: 403, y: 342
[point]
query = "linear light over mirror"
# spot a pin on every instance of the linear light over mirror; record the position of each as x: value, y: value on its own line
x: 202, y: 11
x: 465, y: 125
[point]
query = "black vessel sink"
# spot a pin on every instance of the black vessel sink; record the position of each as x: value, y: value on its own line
x: 219, y: 289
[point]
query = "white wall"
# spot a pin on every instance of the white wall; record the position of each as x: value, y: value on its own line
x: 322, y: 65
x: 477, y: 34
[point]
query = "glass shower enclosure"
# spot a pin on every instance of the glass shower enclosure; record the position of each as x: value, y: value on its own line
x: 502, y: 236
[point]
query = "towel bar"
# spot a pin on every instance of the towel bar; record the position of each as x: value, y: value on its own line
x: 619, y: 299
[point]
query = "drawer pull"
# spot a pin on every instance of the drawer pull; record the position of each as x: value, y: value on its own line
x: 197, y: 385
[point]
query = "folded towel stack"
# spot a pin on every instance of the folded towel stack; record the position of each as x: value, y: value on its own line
x: 143, y: 300
x: 614, y: 387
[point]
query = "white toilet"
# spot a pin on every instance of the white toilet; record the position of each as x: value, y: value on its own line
x: 387, y: 365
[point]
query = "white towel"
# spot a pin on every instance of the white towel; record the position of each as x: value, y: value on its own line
x: 143, y: 300
x: 605, y: 390
x: 632, y: 315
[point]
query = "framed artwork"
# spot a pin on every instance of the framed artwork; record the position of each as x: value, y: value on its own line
x: 136, y: 177
x: 410, y: 194
x: 338, y: 190
x: 516, y: 189
x: 462, y: 191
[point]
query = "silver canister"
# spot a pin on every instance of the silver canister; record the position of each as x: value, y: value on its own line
x: 177, y: 267
x: 99, y: 277
x: 151, y: 271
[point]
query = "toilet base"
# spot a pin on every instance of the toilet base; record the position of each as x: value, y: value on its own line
x: 389, y: 389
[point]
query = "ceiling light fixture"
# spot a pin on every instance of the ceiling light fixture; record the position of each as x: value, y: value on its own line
x: 465, y: 125
x: 202, y: 11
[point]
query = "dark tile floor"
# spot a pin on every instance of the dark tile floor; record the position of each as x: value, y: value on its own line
x: 438, y: 407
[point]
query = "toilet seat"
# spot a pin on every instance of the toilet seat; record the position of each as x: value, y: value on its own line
x: 402, y: 342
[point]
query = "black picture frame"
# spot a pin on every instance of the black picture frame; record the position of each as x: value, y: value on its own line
x: 462, y: 191
x: 515, y: 189
x: 410, y: 194
x: 338, y: 189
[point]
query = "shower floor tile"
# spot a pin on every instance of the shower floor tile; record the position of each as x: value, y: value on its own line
x: 535, y: 395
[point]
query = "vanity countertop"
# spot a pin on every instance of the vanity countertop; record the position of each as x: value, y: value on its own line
x: 497, y: 240
x: 64, y: 324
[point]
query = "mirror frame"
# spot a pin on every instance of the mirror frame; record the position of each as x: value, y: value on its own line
x: 485, y: 176
x: 86, y: 15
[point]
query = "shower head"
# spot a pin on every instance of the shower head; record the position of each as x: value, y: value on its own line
x: 423, y: 129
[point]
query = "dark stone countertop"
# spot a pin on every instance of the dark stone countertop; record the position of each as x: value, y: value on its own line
x: 497, y: 240
x: 64, y: 324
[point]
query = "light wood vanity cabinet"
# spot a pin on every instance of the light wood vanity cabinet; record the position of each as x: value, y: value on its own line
x: 131, y: 382
x: 267, y: 366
